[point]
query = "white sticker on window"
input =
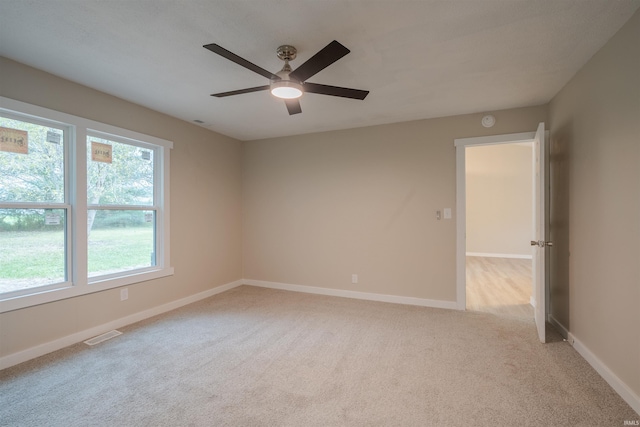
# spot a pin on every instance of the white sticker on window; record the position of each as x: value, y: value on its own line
x: 146, y: 155
x: 148, y: 217
x: 51, y: 218
x: 53, y: 137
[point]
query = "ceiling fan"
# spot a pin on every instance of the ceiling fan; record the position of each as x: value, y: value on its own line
x: 290, y: 84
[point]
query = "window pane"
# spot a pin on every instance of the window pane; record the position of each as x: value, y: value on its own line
x: 31, y: 162
x: 31, y: 248
x: 120, y: 240
x: 118, y: 174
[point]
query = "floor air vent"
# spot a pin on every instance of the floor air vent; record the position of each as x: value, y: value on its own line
x: 103, y: 337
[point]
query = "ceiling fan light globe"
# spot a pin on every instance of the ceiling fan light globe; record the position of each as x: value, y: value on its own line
x: 286, y: 89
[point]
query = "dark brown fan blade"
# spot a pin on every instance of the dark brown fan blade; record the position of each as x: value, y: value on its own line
x: 240, y: 91
x: 344, y: 92
x: 293, y: 106
x: 240, y: 61
x: 321, y: 60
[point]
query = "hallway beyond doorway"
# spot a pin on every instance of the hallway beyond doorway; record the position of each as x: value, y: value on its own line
x: 500, y: 286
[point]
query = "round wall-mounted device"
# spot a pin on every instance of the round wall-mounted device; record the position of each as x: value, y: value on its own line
x: 488, y: 121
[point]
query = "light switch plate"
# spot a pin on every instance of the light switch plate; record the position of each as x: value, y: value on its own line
x: 447, y: 213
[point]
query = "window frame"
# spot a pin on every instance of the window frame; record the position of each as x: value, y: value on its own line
x: 77, y: 281
x: 65, y: 205
x: 155, y: 207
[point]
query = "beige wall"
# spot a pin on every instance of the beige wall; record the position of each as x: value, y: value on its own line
x: 595, y: 169
x: 205, y: 210
x: 321, y: 207
x: 499, y: 190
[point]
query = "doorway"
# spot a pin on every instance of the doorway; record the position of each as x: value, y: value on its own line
x: 539, y: 222
x: 499, y: 212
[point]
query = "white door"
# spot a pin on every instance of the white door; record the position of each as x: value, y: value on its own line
x: 538, y: 242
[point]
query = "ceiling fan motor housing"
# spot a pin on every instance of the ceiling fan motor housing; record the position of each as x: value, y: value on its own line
x: 286, y: 88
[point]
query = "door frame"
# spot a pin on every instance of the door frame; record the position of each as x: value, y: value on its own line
x: 461, y: 203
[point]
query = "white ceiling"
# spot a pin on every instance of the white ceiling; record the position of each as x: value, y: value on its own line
x: 419, y: 59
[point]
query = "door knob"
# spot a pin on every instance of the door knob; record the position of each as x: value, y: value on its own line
x: 541, y: 243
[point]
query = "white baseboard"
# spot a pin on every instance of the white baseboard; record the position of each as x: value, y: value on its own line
x: 42, y: 349
x: 451, y: 305
x: 616, y: 383
x: 492, y: 255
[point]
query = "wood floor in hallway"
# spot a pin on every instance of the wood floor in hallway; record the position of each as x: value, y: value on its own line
x: 500, y: 286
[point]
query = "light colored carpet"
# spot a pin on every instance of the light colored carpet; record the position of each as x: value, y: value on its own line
x: 262, y: 357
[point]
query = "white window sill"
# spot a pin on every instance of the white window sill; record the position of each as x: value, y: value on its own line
x: 96, y: 285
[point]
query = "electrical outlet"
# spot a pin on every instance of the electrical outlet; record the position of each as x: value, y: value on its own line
x: 447, y: 213
x: 354, y: 278
x: 124, y: 294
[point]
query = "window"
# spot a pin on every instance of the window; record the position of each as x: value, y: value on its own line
x: 121, y: 211
x: 33, y: 205
x: 84, y: 206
